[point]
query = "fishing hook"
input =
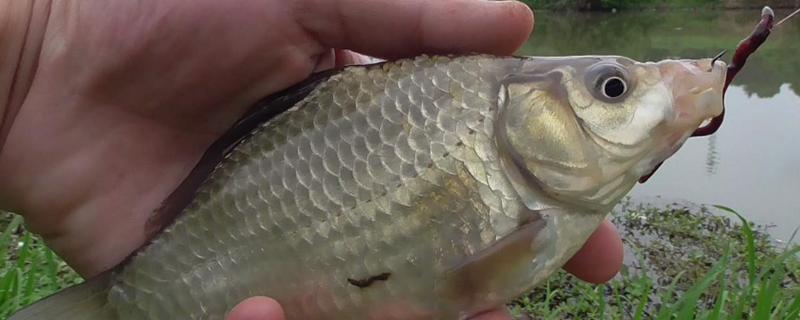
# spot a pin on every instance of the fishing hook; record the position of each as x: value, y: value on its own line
x: 717, y: 57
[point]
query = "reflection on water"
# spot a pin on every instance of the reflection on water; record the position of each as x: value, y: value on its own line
x: 751, y: 164
x: 711, y: 157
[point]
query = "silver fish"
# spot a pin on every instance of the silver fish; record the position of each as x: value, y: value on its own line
x: 427, y: 188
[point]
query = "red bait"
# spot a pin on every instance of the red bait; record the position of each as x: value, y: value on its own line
x: 743, y: 51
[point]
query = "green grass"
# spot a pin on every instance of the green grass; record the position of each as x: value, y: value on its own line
x: 30, y: 271
x: 686, y: 264
x: 689, y: 264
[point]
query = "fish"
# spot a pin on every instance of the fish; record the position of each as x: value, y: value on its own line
x: 433, y: 187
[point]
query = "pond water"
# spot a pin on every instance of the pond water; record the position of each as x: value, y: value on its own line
x: 751, y: 163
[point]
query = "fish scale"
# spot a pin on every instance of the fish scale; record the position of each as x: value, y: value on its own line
x: 379, y: 144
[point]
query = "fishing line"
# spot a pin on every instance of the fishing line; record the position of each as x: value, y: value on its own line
x: 787, y: 17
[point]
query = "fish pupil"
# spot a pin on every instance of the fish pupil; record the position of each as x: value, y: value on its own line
x: 614, y: 87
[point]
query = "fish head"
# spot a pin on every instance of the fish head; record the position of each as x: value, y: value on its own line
x: 583, y: 130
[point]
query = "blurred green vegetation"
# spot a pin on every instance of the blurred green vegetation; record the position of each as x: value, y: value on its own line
x: 618, y: 4
x: 29, y: 271
x: 611, y: 4
x: 651, y: 35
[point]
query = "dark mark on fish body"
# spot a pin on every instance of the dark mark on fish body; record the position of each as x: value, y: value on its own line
x: 363, y: 283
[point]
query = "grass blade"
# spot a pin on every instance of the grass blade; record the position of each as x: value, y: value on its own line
x: 5, y: 237
x: 716, y: 313
x: 750, y: 242
x: 791, y: 238
x: 24, y: 252
x: 602, y: 298
x: 688, y: 303
x: 793, y: 311
x: 51, y: 270
x: 665, y: 312
x: 644, y: 298
x: 767, y: 295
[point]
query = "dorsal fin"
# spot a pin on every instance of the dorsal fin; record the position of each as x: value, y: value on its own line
x: 262, y: 111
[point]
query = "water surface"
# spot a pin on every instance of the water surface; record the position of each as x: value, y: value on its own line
x: 751, y: 164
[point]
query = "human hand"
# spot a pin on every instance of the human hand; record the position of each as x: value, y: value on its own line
x: 123, y: 97
x: 127, y: 95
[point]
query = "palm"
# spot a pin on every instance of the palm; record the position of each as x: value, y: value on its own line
x: 139, y: 97
x: 128, y: 94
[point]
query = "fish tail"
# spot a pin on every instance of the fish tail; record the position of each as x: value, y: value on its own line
x: 87, y: 301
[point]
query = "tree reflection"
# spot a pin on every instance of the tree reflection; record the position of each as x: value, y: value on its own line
x: 712, y: 158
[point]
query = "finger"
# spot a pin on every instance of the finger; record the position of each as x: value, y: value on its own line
x: 257, y: 308
x: 391, y: 28
x: 600, y: 259
x: 497, y: 314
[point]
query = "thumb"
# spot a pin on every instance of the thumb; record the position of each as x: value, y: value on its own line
x: 391, y: 28
x: 257, y: 308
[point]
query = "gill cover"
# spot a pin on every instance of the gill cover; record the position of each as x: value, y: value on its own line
x: 574, y: 128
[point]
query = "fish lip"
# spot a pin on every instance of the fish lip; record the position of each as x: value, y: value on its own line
x: 697, y: 93
x: 697, y: 90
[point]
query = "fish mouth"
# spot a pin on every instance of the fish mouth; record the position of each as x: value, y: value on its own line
x: 697, y: 92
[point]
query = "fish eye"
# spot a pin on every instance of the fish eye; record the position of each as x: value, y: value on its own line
x: 614, y: 87
x: 608, y: 82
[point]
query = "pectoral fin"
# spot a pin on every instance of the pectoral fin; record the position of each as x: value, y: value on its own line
x: 487, y: 275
